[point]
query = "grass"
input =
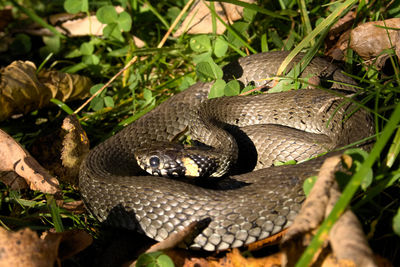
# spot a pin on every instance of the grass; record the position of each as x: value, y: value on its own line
x: 167, y: 64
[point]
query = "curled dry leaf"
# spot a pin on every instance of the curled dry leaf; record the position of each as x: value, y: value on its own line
x: 338, y: 37
x: 231, y: 259
x: 62, y: 151
x: 76, y: 207
x: 75, y: 146
x: 14, y: 158
x: 13, y: 180
x: 23, y: 90
x: 25, y: 248
x: 346, y: 238
x: 69, y: 243
x: 199, y: 19
x: 370, y: 39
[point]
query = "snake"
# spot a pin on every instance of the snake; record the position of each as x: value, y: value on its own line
x: 254, y: 197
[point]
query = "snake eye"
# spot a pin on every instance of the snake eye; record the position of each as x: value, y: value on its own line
x: 154, y: 162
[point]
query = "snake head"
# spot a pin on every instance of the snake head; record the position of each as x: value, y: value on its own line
x: 176, y: 161
x: 161, y: 160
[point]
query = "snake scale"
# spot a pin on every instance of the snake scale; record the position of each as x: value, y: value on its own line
x: 244, y: 207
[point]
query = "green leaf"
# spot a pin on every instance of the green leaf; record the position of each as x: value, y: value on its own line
x: 308, y: 184
x: 186, y: 83
x: 21, y: 44
x: 173, y: 12
x: 232, y: 88
x: 108, y: 101
x: 112, y: 31
x: 147, y: 94
x: 156, y: 259
x: 396, y: 223
x: 248, y: 88
x: 74, y: 53
x: 76, y: 6
x: 107, y: 14
x: 86, y: 48
x: 97, y: 103
x: 202, y: 57
x: 220, y: 47
x: 240, y: 28
x: 96, y: 88
x: 208, y: 71
x: 124, y: 21
x: 200, y: 43
x: 217, y: 89
x: 359, y: 156
x: 249, y: 14
x: 91, y: 60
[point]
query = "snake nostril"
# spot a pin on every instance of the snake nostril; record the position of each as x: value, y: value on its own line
x: 154, y: 162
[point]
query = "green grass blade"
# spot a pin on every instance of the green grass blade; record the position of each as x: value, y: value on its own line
x: 306, y: 19
x: 55, y: 213
x: 393, y: 150
x: 158, y: 15
x: 37, y: 19
x: 62, y: 105
x: 325, y: 24
x: 350, y: 189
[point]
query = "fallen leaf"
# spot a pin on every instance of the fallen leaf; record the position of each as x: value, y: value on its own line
x: 14, y: 158
x: 62, y: 151
x: 199, y: 18
x: 348, y: 242
x: 231, y: 259
x: 337, y: 41
x: 69, y: 242
x: 75, y: 146
x: 13, y: 180
x: 25, y: 248
x: 22, y: 90
x: 370, y: 39
x: 76, y: 25
x: 65, y: 86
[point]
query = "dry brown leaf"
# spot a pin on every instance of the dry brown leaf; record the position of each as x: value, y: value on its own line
x: 70, y: 242
x: 232, y: 259
x: 23, y: 90
x: 369, y: 41
x: 346, y: 238
x: 337, y: 40
x: 75, y: 146
x: 199, y: 19
x: 13, y: 180
x: 76, y: 207
x: 25, y: 248
x: 14, y: 158
x: 62, y: 151
x: 75, y: 25
x: 64, y: 86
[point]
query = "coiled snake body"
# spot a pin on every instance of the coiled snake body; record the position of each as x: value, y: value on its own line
x: 243, y: 208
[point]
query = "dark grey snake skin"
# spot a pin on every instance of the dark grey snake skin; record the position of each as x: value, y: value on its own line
x: 255, y: 205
